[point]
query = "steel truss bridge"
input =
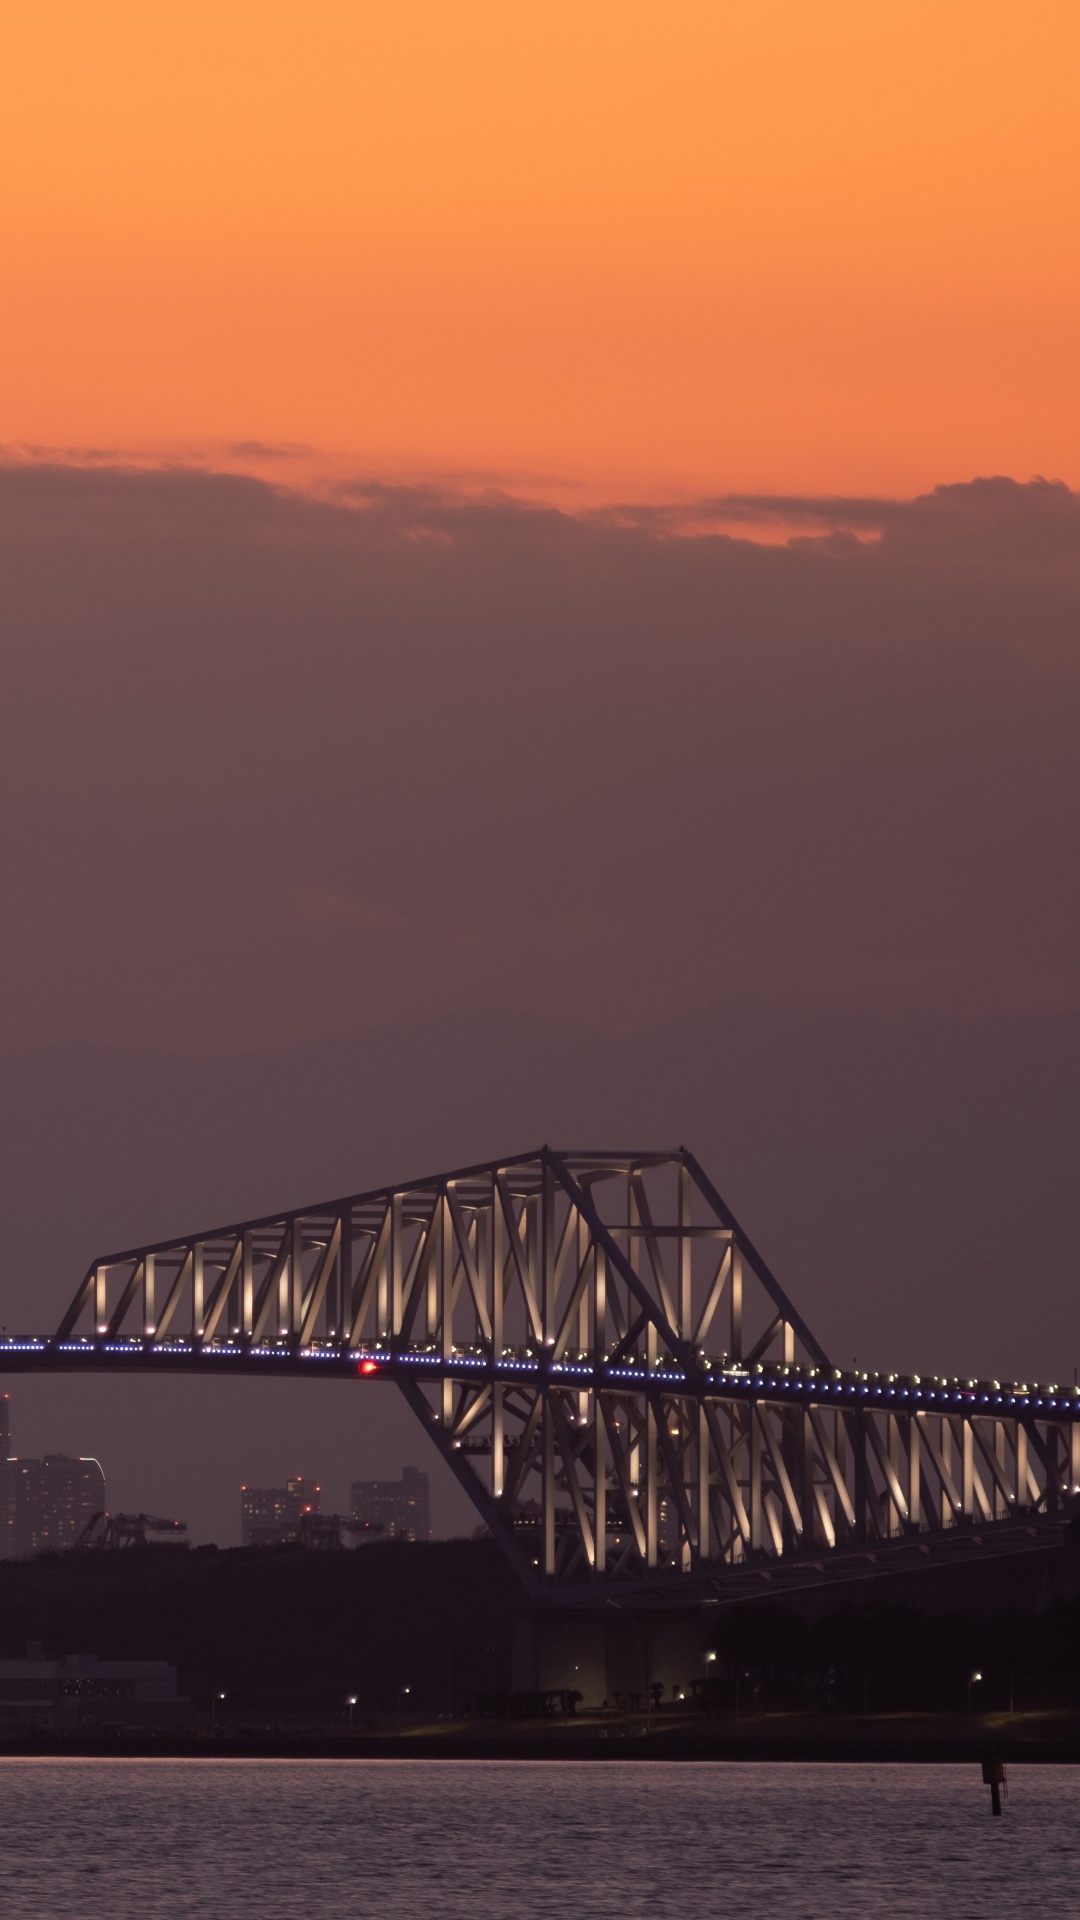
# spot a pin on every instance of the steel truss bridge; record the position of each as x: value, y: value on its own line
x: 607, y: 1365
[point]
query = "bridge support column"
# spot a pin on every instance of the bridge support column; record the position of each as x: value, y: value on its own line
x: 197, y: 1298
x: 807, y: 1470
x: 446, y: 1303
x: 948, y: 1516
x: 757, y: 1510
x: 1054, y: 1469
x: 1001, y: 1505
x: 704, y: 1510
x: 652, y: 1516
x: 967, y: 1439
x: 895, y: 1517
x: 915, y: 1512
x: 859, y: 1489
x: 397, y: 1274
x: 547, y: 1503
x: 600, y: 1485
x: 498, y: 1443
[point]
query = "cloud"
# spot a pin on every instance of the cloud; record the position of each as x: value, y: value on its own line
x: 266, y: 449
x: 996, y: 519
x: 497, y: 755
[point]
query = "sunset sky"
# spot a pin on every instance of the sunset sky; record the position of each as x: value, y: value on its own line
x: 605, y: 250
x: 528, y: 610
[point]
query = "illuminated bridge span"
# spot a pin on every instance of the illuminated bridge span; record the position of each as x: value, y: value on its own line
x: 607, y: 1365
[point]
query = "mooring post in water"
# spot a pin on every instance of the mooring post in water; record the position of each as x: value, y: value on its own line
x: 993, y: 1773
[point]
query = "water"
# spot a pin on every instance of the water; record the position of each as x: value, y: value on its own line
x: 270, y: 1840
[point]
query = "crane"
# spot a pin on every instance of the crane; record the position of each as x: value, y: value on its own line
x: 114, y: 1530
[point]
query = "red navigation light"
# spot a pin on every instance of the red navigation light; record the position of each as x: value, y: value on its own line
x: 369, y: 1366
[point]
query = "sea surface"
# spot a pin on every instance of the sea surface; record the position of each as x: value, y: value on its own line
x: 491, y: 1839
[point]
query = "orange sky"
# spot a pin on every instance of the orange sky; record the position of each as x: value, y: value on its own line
x: 628, y: 247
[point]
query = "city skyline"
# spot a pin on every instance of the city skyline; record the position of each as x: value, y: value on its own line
x: 67, y: 1490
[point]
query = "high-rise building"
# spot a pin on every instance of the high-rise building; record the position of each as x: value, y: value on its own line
x: 400, y: 1507
x: 270, y: 1516
x: 51, y: 1501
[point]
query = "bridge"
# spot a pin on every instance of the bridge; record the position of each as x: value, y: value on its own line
x: 609, y: 1368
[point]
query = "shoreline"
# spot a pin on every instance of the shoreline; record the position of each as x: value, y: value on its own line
x: 1032, y: 1739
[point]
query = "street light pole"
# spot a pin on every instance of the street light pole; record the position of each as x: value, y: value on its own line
x: 350, y: 1703
x: 973, y: 1682
x: 213, y: 1711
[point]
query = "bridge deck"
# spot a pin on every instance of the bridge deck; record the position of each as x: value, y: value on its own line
x: 710, y: 1380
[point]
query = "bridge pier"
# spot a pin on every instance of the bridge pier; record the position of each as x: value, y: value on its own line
x: 613, y: 1656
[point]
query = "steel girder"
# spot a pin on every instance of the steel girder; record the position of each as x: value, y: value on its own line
x: 603, y: 1359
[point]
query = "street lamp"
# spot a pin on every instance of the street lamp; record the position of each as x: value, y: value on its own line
x: 401, y: 1695
x: 350, y: 1703
x: 213, y: 1710
x: 973, y: 1682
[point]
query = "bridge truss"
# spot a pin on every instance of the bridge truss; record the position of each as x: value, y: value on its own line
x: 604, y: 1361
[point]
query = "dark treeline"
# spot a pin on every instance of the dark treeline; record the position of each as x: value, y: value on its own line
x: 281, y: 1630
x: 879, y: 1658
x: 287, y: 1632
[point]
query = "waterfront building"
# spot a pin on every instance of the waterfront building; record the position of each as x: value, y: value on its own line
x: 270, y: 1516
x: 83, y: 1691
x: 51, y: 1502
x: 400, y: 1507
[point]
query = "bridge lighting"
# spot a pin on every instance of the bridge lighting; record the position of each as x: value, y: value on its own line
x: 301, y: 1260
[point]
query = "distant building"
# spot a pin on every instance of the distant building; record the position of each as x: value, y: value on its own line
x: 51, y: 1501
x: 400, y: 1507
x: 270, y: 1516
x: 84, y: 1691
